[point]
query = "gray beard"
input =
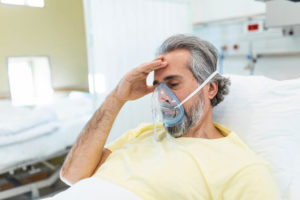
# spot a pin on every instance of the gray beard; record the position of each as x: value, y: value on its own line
x: 191, y: 118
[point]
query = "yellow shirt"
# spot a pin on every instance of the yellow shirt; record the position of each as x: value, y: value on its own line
x: 158, y: 166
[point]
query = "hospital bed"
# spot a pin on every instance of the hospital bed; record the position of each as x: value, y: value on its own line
x: 31, y: 137
x: 265, y: 113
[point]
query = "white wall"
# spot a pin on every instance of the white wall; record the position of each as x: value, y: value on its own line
x: 56, y: 31
x: 212, y: 10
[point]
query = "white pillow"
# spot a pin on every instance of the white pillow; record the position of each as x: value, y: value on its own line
x: 265, y: 113
x: 75, y: 105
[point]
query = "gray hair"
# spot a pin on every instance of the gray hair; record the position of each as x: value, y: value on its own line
x: 203, y: 61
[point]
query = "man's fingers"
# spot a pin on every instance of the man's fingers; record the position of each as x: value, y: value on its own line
x: 150, y: 89
x: 149, y: 67
x: 142, y: 71
x: 159, y: 58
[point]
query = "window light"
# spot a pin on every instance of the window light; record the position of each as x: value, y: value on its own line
x: 29, y: 80
x: 30, y: 3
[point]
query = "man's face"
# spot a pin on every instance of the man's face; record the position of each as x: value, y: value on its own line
x: 181, y: 81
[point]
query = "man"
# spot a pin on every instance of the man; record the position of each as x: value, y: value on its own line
x: 193, y: 158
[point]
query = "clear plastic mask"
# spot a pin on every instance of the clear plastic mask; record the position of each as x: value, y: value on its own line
x: 166, y: 107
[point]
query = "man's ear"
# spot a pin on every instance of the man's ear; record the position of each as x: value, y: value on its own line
x: 212, y: 90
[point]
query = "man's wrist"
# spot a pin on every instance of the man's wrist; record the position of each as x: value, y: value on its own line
x: 117, y: 99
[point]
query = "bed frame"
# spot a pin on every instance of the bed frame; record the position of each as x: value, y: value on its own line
x: 30, y: 176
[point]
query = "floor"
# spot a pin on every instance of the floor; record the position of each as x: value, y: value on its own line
x: 45, y: 192
x: 20, y: 177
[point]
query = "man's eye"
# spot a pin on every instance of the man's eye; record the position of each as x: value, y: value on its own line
x: 173, y: 84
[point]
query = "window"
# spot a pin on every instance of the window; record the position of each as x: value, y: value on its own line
x: 29, y: 80
x: 31, y: 3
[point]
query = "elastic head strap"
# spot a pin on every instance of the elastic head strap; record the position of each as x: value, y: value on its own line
x: 198, y: 89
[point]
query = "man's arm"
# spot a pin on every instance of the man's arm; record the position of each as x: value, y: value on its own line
x: 105, y: 153
x: 86, y: 154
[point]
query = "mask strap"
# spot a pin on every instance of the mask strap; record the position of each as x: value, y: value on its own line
x: 198, y: 89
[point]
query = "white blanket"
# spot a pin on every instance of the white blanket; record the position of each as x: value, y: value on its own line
x: 95, y: 189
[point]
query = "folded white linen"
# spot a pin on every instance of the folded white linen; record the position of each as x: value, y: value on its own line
x: 16, y: 123
x: 29, y: 133
x: 47, y: 144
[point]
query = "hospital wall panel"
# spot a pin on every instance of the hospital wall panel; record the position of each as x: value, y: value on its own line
x: 270, y: 51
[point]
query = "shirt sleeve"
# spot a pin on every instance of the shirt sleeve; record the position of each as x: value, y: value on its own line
x: 127, y: 137
x: 253, y: 182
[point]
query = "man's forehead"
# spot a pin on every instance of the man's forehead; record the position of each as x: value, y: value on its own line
x: 178, y: 62
x: 170, y: 72
x: 180, y: 56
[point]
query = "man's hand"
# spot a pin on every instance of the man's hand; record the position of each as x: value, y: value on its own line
x: 134, y: 85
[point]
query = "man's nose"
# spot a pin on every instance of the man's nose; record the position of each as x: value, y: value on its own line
x: 165, y: 98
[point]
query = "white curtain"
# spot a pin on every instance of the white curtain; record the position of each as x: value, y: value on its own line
x: 121, y: 34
